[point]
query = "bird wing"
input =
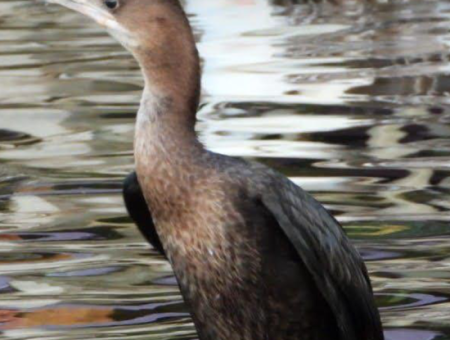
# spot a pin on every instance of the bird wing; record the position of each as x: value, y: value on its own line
x: 335, y: 265
x: 138, y: 210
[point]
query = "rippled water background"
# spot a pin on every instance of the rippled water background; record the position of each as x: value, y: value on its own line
x: 352, y: 102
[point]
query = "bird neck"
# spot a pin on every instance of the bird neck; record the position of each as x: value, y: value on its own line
x: 165, y: 128
x: 172, y: 89
x: 165, y: 125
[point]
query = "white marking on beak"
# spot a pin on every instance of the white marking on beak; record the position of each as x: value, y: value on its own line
x: 101, y: 15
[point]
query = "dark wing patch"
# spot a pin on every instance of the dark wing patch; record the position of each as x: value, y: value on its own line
x: 138, y: 210
x: 335, y: 265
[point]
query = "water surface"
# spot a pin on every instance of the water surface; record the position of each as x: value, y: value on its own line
x: 351, y: 102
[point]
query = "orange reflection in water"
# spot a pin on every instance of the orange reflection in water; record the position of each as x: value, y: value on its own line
x: 12, y: 319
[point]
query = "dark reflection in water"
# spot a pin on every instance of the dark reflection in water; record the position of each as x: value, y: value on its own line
x: 350, y: 101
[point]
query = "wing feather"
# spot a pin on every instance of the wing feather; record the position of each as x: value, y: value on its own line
x: 138, y: 210
x: 334, y: 263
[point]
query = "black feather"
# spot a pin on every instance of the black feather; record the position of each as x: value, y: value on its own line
x: 335, y: 265
x: 139, y: 212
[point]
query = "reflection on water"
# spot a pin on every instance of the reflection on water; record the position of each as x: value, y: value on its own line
x: 351, y: 102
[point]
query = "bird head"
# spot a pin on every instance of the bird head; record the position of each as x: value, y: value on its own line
x: 136, y: 24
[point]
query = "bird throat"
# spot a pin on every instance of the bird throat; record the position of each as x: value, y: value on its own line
x: 167, y: 151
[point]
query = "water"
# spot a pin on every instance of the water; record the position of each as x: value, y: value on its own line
x: 351, y: 102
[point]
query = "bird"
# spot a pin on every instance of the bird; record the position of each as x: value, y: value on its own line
x: 255, y: 256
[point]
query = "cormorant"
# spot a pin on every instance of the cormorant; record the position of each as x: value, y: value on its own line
x: 255, y: 256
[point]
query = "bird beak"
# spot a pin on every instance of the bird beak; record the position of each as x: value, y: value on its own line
x: 90, y: 8
x: 95, y: 10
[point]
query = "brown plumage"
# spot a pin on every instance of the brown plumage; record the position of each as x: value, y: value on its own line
x: 255, y: 256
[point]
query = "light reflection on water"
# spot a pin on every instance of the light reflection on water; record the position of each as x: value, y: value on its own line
x: 351, y: 102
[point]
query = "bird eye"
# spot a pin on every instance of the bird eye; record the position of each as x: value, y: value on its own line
x: 112, y: 4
